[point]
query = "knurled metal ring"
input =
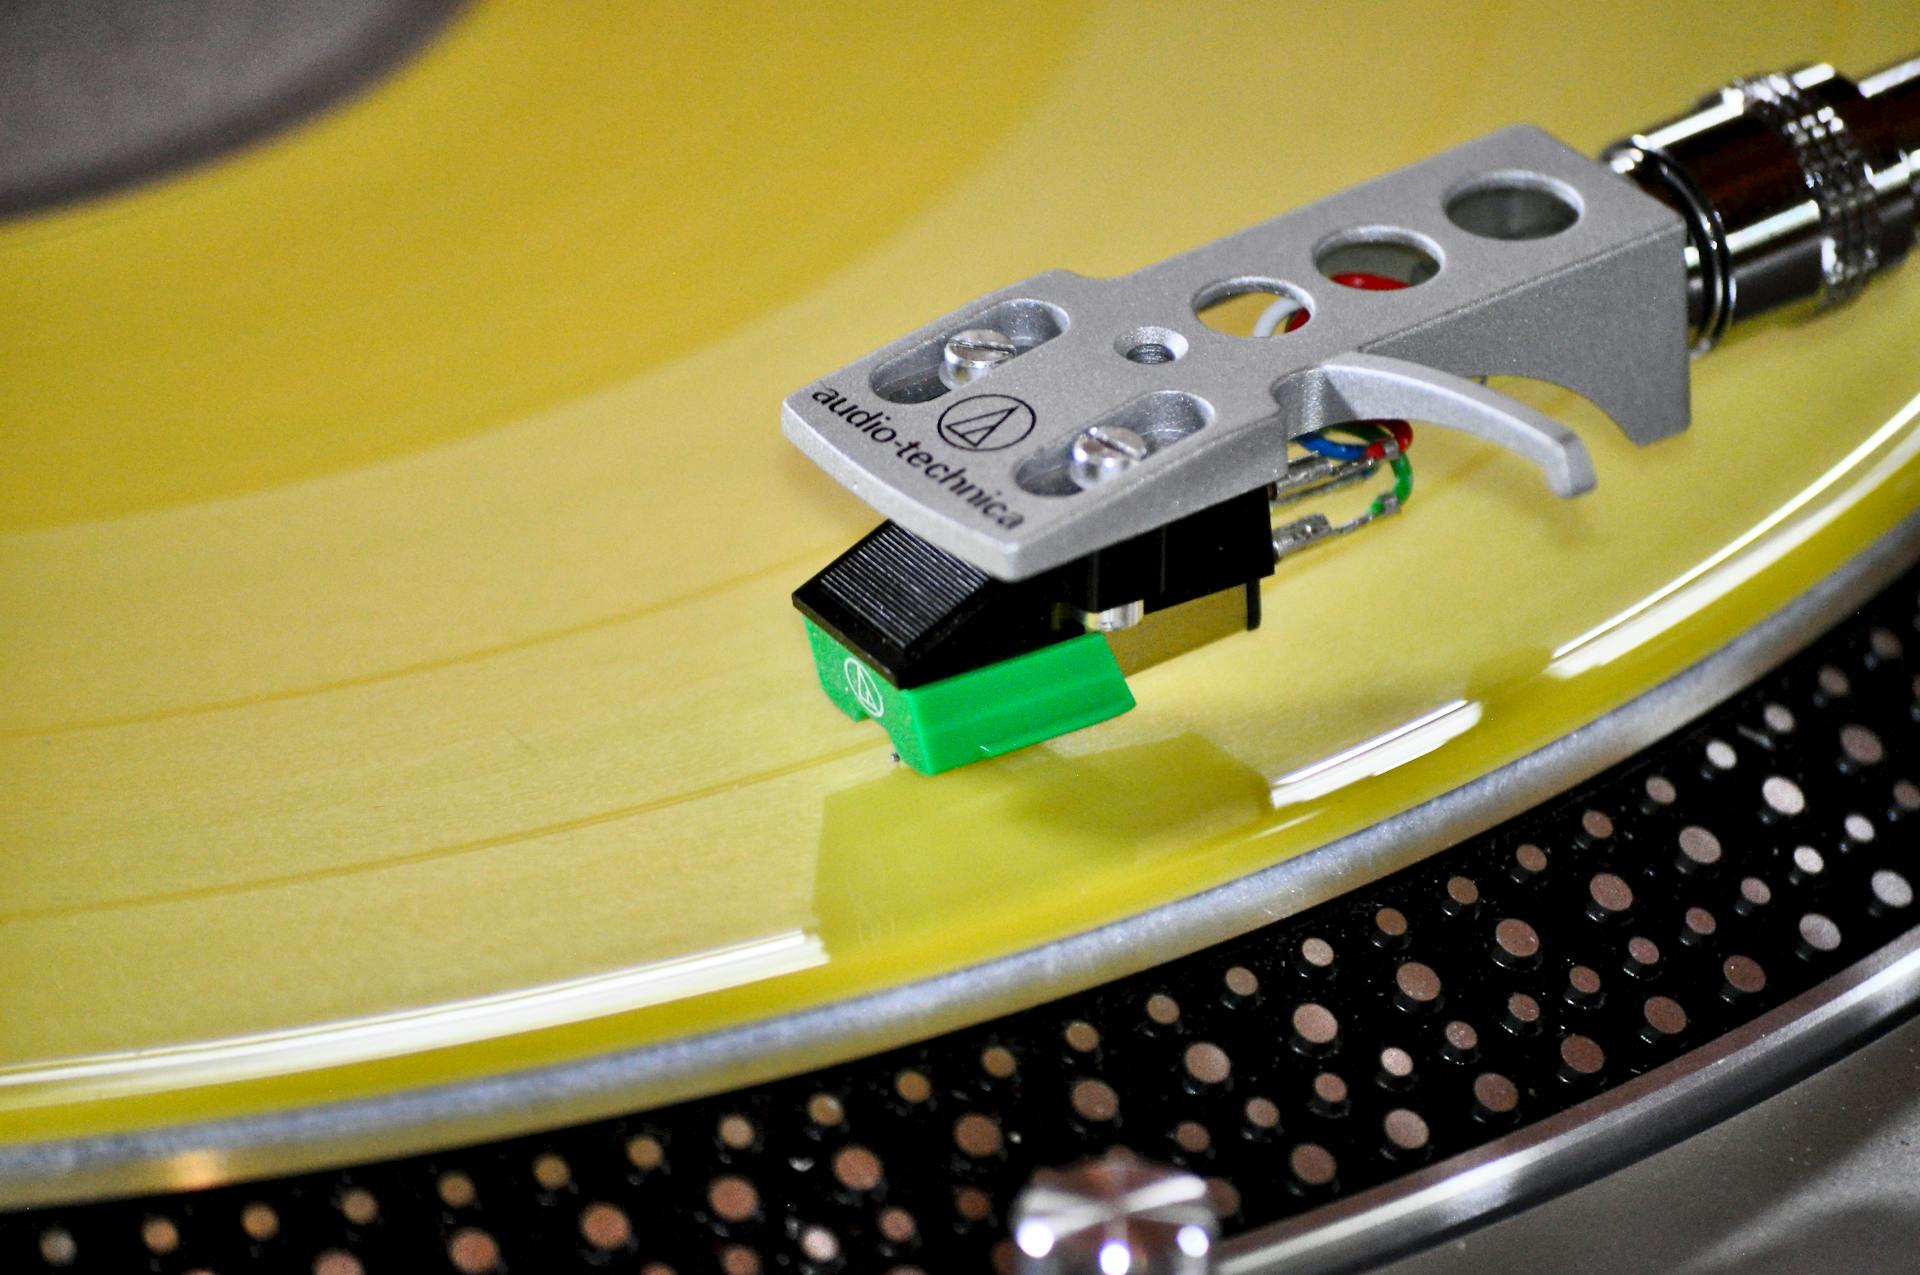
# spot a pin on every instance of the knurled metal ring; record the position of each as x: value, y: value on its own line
x: 1837, y: 173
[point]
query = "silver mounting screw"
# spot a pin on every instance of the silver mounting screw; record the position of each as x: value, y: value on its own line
x: 1114, y: 619
x: 971, y: 354
x: 1118, y: 1215
x: 1104, y: 451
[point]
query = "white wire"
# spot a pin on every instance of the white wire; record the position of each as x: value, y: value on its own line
x: 1274, y: 315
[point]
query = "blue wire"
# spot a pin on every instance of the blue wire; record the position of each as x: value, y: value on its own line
x: 1320, y: 445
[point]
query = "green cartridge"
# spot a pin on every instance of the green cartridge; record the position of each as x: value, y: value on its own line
x: 981, y: 713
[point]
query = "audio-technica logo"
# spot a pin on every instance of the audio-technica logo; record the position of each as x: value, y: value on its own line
x: 986, y: 427
x: 864, y: 688
x: 986, y: 423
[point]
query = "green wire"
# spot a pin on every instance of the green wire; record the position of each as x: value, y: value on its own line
x: 1402, y: 467
x: 1402, y: 484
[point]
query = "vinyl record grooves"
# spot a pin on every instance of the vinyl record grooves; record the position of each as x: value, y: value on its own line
x: 407, y: 743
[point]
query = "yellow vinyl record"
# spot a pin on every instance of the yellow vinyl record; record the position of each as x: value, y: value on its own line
x: 399, y: 686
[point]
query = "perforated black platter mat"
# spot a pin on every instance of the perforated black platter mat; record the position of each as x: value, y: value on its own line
x: 1717, y: 874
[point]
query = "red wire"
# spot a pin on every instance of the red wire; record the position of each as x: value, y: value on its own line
x: 1360, y: 279
x: 1367, y: 282
x: 1402, y: 437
